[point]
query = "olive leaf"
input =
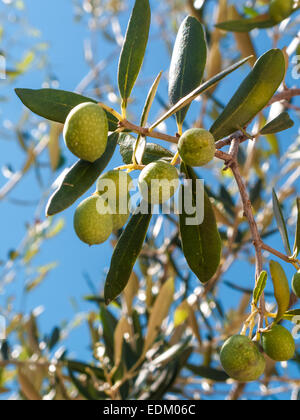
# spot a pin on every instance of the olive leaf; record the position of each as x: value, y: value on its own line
x: 85, y: 368
x: 208, y: 373
x: 260, y: 287
x: 126, y: 253
x: 134, y: 48
x: 247, y: 25
x: 79, y: 179
x: 109, y: 325
x: 297, y: 235
x: 55, y: 105
x: 182, y: 103
x: 281, y: 223
x: 201, y: 242
x: 252, y: 95
x: 159, y: 312
x: 290, y: 315
x: 140, y: 144
x: 188, y: 62
x: 243, y: 40
x: 152, y: 151
x: 281, y: 289
x: 280, y: 123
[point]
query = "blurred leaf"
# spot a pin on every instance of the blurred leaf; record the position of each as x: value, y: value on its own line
x: 152, y: 151
x: 79, y: 179
x: 56, y: 229
x: 281, y: 289
x: 247, y: 25
x: 85, y: 368
x: 53, y: 146
x: 297, y: 235
x: 252, y: 95
x: 109, y: 324
x: 208, y: 373
x: 134, y: 48
x: 27, y: 388
x: 126, y: 253
x: 159, y: 312
x: 280, y: 123
x: 260, y: 287
x: 55, y: 105
x: 23, y: 65
x: 54, y: 338
x: 171, y: 353
x: 281, y: 223
x: 131, y: 291
x: 43, y: 272
x: 188, y: 62
x: 181, y: 314
x: 198, y: 91
x: 201, y: 242
x: 121, y: 329
x: 243, y: 40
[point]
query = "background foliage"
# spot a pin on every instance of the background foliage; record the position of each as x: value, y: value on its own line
x: 164, y: 313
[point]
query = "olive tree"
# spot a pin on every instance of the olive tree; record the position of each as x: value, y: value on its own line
x: 160, y: 328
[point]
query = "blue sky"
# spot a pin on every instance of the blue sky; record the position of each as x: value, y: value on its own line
x: 55, y: 20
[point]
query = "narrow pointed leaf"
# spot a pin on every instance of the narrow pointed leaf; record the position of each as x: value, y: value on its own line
x: 281, y: 223
x: 208, y: 373
x: 260, y: 287
x: 188, y: 62
x: 201, y: 242
x: 280, y: 123
x: 55, y: 105
x: 152, y: 151
x: 126, y: 254
x: 252, y: 95
x: 150, y: 99
x: 247, y: 25
x: 140, y: 145
x: 134, y: 48
x: 159, y: 312
x: 290, y: 315
x: 79, y: 179
x: 109, y: 324
x: 297, y: 235
x: 198, y: 91
x: 281, y: 289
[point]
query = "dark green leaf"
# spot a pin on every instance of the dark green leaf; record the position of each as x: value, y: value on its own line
x: 84, y: 368
x: 134, y: 48
x: 201, y: 243
x: 126, y: 253
x: 109, y: 324
x: 79, y: 179
x: 281, y: 223
x: 297, y: 235
x: 280, y: 123
x: 198, y: 91
x: 55, y: 105
x: 188, y: 62
x: 252, y: 95
x: 208, y: 373
x: 260, y: 287
x: 55, y: 336
x: 290, y: 315
x: 247, y: 25
x: 152, y: 151
x: 86, y: 388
